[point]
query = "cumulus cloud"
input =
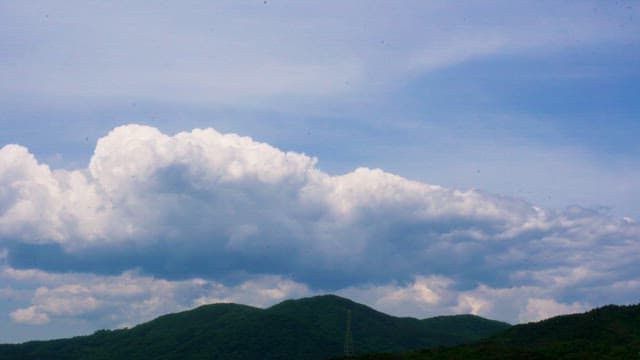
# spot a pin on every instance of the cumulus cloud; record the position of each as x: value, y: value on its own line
x: 260, y: 291
x: 130, y: 298
x: 202, y: 197
x: 545, y: 308
x: 427, y: 296
x: 38, y: 205
x: 210, y: 207
x: 29, y: 316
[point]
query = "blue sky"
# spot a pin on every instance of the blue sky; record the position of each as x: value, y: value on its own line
x: 497, y: 136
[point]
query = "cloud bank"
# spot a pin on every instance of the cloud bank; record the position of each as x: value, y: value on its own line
x: 217, y: 216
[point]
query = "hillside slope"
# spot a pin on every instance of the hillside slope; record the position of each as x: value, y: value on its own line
x: 311, y: 328
x: 609, y: 332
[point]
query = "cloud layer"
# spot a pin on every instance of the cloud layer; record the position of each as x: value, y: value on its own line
x: 204, y: 210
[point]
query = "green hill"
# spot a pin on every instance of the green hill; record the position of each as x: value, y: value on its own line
x: 609, y: 332
x: 311, y: 328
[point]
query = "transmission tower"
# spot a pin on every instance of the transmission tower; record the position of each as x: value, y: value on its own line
x: 348, y: 338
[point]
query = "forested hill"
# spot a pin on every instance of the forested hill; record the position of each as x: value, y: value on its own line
x: 310, y: 328
x: 609, y: 324
x: 609, y: 332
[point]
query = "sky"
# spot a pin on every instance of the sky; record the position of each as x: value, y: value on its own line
x: 421, y: 157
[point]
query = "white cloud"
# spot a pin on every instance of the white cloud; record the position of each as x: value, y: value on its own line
x: 220, y: 217
x: 130, y: 298
x: 423, y: 297
x: 29, y: 316
x: 43, y: 206
x: 214, y: 192
x: 65, y: 300
x: 512, y: 304
x: 225, y: 196
x: 438, y: 295
x: 538, y: 309
x: 261, y: 291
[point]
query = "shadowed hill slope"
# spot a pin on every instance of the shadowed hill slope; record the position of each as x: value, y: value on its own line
x: 609, y: 332
x: 310, y: 328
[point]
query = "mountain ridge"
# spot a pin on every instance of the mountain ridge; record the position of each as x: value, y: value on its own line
x: 309, y: 328
x: 607, y: 332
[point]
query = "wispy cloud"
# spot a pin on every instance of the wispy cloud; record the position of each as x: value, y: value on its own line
x: 249, y: 52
